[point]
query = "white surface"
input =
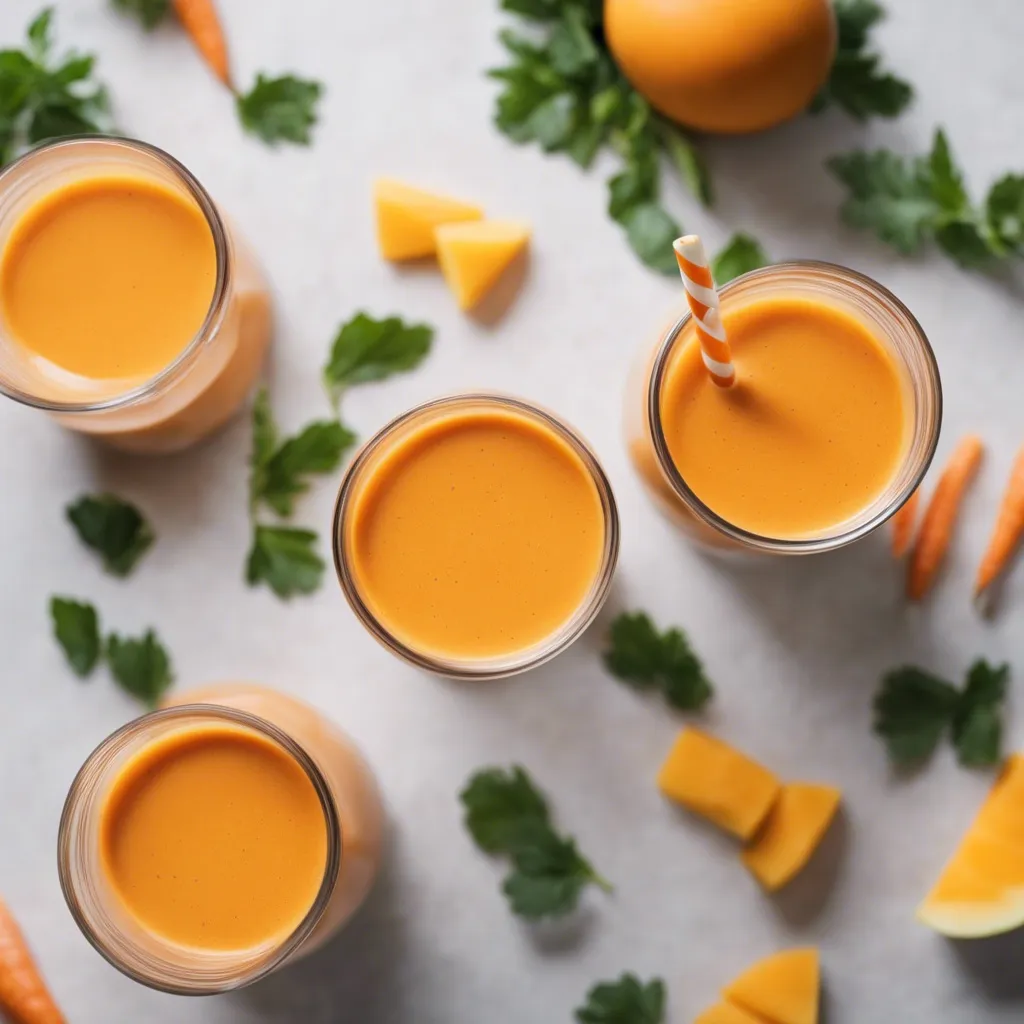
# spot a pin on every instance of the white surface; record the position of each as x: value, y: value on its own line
x: 796, y: 648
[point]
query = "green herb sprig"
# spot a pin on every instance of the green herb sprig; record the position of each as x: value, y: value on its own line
x: 507, y: 815
x: 42, y: 97
x: 625, y: 1001
x: 914, y: 709
x: 112, y: 527
x: 910, y: 202
x: 741, y: 254
x: 282, y: 109
x: 149, y: 13
x: 141, y: 667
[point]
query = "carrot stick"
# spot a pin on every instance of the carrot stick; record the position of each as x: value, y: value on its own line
x: 202, y: 23
x: 903, y: 523
x: 1008, y: 530
x: 24, y: 997
x: 940, y: 517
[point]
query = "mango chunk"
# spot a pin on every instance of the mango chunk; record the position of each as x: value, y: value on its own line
x: 783, y: 989
x: 726, y: 1013
x: 791, y: 833
x: 981, y: 891
x: 407, y: 216
x: 474, y: 256
x: 712, y: 779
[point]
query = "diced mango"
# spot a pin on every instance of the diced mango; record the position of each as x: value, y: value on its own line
x: 474, y: 255
x: 784, y: 988
x: 710, y: 778
x: 407, y: 216
x: 981, y: 891
x: 726, y: 1013
x: 791, y: 833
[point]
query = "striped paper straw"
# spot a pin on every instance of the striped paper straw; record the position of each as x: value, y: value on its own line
x: 705, y: 305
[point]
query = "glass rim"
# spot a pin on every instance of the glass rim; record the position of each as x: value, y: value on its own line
x: 505, y: 665
x: 273, y: 959
x: 800, y: 545
x: 218, y: 301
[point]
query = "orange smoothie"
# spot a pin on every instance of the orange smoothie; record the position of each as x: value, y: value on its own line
x: 476, y: 535
x: 214, y: 837
x: 108, y: 278
x: 812, y: 433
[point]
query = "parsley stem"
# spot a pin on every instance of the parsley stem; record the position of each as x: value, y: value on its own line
x: 600, y: 881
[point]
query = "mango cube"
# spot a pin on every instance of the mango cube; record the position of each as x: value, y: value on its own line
x: 473, y: 256
x: 407, y: 216
x: 726, y: 1013
x: 784, y: 988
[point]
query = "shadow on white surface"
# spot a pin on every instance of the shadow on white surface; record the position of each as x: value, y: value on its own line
x: 995, y: 965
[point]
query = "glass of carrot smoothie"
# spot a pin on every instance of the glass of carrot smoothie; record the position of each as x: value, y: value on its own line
x: 128, y: 307
x: 828, y: 429
x: 476, y: 536
x: 205, y: 844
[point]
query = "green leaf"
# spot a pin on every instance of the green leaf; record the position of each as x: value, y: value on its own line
x: 688, y: 162
x: 571, y: 47
x: 1004, y: 211
x: 855, y: 19
x: 40, y: 32
x: 964, y: 242
x: 264, y: 429
x: 639, y: 655
x: 626, y: 1001
x: 912, y: 710
x: 318, y: 448
x: 636, y: 185
x: 280, y: 109
x: 76, y: 628
x: 651, y: 232
x: 947, y: 181
x: 366, y: 349
x: 977, y: 719
x: 741, y: 254
x: 497, y: 804
x: 142, y: 667
x: 114, y: 528
x: 149, y: 12
x: 548, y: 874
x: 552, y: 122
x: 285, y: 559
x: 888, y: 196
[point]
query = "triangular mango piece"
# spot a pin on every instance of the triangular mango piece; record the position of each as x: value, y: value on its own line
x: 783, y: 989
x: 474, y: 255
x: 726, y: 1013
x: 712, y: 779
x: 791, y: 833
x: 407, y: 216
x: 981, y: 891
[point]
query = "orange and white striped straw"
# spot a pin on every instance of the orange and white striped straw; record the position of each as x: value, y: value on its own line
x: 705, y: 305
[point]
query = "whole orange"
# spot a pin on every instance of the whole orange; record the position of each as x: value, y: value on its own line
x: 724, y: 65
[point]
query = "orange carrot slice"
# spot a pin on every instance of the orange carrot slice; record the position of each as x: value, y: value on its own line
x: 202, y: 23
x: 940, y: 517
x: 24, y: 997
x: 1009, y: 529
x: 903, y: 523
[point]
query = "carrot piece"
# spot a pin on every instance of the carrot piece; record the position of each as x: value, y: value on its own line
x: 1008, y: 530
x: 940, y: 517
x: 202, y: 23
x: 903, y: 523
x: 24, y: 997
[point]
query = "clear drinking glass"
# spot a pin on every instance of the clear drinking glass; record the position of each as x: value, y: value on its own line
x: 207, y: 383
x: 889, y: 320
x: 377, y: 450
x: 353, y: 824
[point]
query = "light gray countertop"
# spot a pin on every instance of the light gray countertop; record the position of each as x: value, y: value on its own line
x: 796, y: 647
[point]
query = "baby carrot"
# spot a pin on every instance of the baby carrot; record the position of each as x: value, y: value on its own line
x: 24, y: 997
x: 903, y: 523
x: 202, y: 23
x: 1008, y: 530
x: 940, y: 517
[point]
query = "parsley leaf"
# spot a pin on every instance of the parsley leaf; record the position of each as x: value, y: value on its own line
x: 507, y: 814
x: 149, y: 12
x: 366, y: 349
x: 285, y: 559
x: 142, y: 667
x: 646, y: 659
x: 741, y: 254
x: 498, y: 803
x: 977, y: 720
x: 626, y: 1001
x: 280, y: 109
x: 76, y: 627
x: 114, y: 528
x: 912, y: 710
x: 41, y: 98
x: 856, y: 82
x: 1004, y: 212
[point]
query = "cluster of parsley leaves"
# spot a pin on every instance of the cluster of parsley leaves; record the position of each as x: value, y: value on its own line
x: 625, y: 1001
x: 286, y: 558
